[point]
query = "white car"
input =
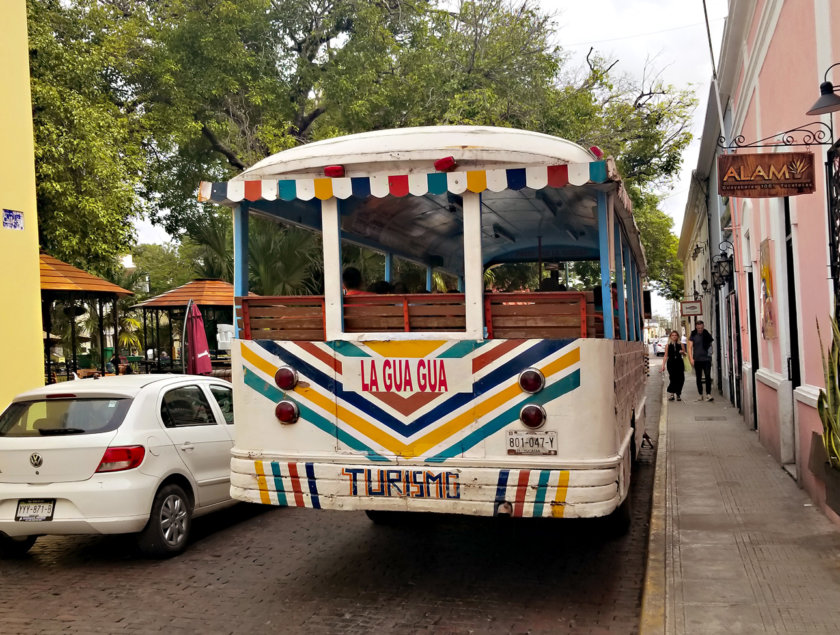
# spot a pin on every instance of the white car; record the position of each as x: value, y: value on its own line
x: 659, y: 346
x: 138, y: 454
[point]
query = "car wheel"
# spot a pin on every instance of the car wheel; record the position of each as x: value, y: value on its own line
x: 169, y: 524
x: 16, y: 547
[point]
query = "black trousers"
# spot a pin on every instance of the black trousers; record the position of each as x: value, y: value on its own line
x: 699, y: 369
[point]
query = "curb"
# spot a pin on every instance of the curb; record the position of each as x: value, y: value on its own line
x: 653, y: 591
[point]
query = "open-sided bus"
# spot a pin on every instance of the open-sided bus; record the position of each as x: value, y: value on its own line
x: 477, y: 402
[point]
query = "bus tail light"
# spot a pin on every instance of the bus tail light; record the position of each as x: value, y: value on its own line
x: 286, y: 378
x: 287, y: 412
x: 532, y: 416
x: 531, y: 380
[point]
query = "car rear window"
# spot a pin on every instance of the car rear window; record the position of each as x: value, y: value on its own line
x: 51, y: 417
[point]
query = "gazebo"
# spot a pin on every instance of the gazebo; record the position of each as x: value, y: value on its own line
x: 213, y: 297
x: 73, y: 287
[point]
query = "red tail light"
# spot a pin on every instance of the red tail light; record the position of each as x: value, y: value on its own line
x: 531, y: 380
x: 287, y: 412
x: 533, y: 416
x: 121, y: 458
x: 286, y: 378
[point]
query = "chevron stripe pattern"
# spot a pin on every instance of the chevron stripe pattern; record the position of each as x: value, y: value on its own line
x: 426, y: 425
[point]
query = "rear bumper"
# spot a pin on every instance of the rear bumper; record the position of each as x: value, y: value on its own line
x: 111, y: 504
x: 570, y: 493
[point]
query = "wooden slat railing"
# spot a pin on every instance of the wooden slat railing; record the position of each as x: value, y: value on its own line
x: 549, y: 315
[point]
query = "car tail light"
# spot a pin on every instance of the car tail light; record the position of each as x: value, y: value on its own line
x: 286, y: 378
x: 121, y: 458
x: 287, y: 412
x: 533, y: 416
x: 531, y: 380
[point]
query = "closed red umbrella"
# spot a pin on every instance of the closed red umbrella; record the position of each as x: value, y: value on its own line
x: 198, y: 357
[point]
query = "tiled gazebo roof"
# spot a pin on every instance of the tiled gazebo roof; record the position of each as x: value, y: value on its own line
x: 58, y: 276
x: 204, y: 293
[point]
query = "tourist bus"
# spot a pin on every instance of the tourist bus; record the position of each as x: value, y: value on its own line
x: 525, y: 404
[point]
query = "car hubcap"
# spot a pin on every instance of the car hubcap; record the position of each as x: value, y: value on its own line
x: 173, y: 520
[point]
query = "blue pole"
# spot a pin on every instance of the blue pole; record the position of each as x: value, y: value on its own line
x: 240, y: 257
x: 619, y: 281
x: 604, y: 247
x: 428, y: 278
x: 389, y: 263
x: 628, y: 265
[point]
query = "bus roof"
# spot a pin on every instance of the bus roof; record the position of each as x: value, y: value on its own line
x: 538, y: 193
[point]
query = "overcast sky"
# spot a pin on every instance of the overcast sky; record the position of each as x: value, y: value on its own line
x: 671, y: 33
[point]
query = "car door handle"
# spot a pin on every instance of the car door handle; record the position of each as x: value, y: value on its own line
x: 187, y: 446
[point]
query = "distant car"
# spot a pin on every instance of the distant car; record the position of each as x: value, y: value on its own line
x: 138, y: 454
x: 659, y: 346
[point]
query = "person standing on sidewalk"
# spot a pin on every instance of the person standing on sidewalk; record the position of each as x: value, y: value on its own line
x: 673, y: 361
x: 700, y: 356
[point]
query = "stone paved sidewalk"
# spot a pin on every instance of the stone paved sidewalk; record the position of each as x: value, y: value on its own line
x: 746, y: 551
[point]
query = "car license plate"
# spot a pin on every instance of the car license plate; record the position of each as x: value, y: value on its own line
x: 35, y: 509
x: 522, y: 442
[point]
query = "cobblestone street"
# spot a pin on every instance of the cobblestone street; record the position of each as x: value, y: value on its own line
x: 294, y: 570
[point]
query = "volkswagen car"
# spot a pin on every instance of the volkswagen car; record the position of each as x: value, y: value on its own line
x: 142, y: 454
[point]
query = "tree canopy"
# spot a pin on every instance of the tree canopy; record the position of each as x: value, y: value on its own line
x: 136, y: 101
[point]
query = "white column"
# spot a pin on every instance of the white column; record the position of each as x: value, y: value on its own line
x: 473, y: 266
x: 331, y: 235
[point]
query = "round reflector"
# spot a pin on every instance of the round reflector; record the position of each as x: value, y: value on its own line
x: 287, y: 412
x: 532, y: 416
x: 531, y: 380
x: 286, y: 378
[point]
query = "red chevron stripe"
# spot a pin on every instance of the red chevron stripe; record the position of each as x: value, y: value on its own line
x: 521, y: 490
x: 293, y: 473
x: 322, y: 355
x: 493, y: 354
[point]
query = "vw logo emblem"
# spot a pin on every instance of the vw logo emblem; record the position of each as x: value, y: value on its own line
x: 36, y: 460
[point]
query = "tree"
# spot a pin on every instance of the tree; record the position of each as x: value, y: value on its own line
x: 88, y: 158
x: 200, y: 89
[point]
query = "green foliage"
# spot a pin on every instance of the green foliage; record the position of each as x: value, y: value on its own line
x: 88, y: 156
x: 828, y: 404
x: 136, y: 102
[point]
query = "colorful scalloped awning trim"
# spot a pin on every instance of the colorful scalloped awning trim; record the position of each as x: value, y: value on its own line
x: 382, y: 185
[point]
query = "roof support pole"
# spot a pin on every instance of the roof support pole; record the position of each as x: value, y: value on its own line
x: 604, y: 248
x: 619, y: 282
x: 116, y: 331
x: 101, y: 314
x: 240, y: 258
x: 331, y: 235
x: 429, y: 279
x: 473, y: 267
x: 639, y: 309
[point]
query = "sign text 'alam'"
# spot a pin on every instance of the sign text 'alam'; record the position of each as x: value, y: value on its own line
x: 766, y: 175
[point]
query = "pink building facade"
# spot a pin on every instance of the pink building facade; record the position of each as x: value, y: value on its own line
x: 774, y: 57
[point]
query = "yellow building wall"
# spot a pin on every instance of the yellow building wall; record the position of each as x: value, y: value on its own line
x: 21, y: 348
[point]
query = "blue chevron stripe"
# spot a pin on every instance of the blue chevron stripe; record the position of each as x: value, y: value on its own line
x: 555, y: 390
x: 272, y: 393
x: 537, y: 352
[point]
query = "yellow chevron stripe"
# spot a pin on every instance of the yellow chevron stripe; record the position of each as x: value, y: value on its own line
x: 415, y: 348
x: 559, y: 506
x: 264, y: 497
x: 433, y: 438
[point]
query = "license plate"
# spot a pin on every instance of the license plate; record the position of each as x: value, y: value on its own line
x: 35, y: 509
x: 522, y: 442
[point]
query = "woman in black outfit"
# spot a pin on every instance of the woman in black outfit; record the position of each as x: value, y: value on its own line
x: 673, y: 360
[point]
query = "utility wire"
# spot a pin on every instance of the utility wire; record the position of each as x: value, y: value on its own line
x: 638, y: 35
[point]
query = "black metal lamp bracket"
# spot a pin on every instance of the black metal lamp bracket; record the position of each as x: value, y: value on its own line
x: 815, y: 133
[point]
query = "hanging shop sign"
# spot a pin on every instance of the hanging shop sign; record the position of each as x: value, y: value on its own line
x: 766, y: 175
x: 691, y: 308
